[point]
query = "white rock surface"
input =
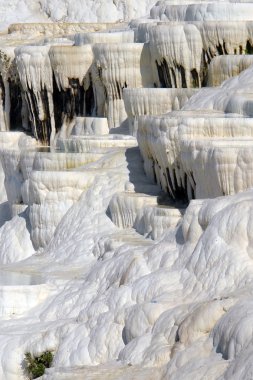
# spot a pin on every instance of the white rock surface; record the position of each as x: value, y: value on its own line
x: 119, y: 279
x: 92, y: 11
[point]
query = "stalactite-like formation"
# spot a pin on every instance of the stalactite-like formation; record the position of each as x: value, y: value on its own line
x: 35, y: 74
x: 119, y: 67
x: 73, y: 87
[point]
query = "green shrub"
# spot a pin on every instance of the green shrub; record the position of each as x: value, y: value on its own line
x: 36, y: 365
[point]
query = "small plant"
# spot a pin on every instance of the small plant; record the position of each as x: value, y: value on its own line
x: 36, y: 365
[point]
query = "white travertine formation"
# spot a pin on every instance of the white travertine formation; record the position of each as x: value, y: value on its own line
x: 230, y: 97
x: 176, y: 52
x: 96, y: 10
x: 138, y: 279
x: 201, y: 11
x: 60, y: 161
x: 72, y: 70
x: 232, y: 37
x: 85, y: 144
x: 121, y: 66
x: 54, y: 185
x: 158, y: 220
x: 106, y: 37
x: 90, y: 126
x: 8, y: 73
x: 71, y: 62
x: 152, y: 101
x: 101, y: 11
x: 19, y: 246
x: 227, y: 66
x: 226, y: 162
x: 10, y: 160
x: 17, y: 299
x: 9, y: 170
x: 35, y: 75
x: 53, y: 30
x: 34, y: 68
x: 126, y: 209
x: 28, y: 181
x: 182, y: 51
x: 166, y: 143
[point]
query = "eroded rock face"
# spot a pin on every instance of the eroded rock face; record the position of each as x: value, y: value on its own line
x: 177, y: 150
x: 88, y: 79
x: 126, y: 201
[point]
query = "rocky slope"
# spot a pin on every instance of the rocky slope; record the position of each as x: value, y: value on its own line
x: 126, y: 190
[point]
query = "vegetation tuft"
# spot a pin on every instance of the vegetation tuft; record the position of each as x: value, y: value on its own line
x: 36, y: 365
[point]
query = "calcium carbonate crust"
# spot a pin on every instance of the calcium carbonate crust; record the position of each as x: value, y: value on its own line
x: 126, y: 245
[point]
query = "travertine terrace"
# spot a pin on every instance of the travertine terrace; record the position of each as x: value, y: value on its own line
x: 126, y: 176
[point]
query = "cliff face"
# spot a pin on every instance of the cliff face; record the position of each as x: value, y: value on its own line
x: 126, y: 190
